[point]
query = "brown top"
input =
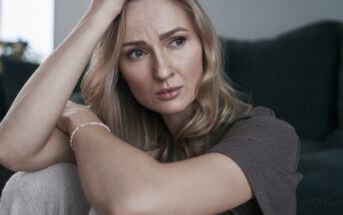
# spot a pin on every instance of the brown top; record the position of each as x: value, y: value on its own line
x: 267, y: 150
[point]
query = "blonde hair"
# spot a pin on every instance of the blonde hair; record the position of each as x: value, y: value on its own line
x: 216, y: 106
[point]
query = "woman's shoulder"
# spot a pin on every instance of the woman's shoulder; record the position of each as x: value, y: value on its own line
x: 262, y: 135
x: 261, y: 122
x: 263, y: 111
x: 267, y: 150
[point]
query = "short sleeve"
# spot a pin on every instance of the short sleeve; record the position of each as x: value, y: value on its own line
x: 267, y: 150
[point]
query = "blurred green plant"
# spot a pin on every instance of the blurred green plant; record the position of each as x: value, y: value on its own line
x: 14, y: 49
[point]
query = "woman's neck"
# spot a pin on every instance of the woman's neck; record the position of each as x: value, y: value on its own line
x: 176, y: 120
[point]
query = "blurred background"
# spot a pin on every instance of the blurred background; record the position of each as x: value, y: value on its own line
x: 27, y: 28
x: 42, y: 24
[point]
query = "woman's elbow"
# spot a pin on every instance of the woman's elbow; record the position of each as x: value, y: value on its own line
x: 13, y: 166
x: 11, y: 163
x: 9, y: 156
x: 16, y: 163
x: 5, y: 160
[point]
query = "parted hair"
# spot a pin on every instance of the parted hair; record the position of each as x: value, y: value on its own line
x: 217, y: 104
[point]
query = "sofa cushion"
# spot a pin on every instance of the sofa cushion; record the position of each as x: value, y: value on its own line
x: 335, y: 138
x: 320, y: 191
x: 295, y: 74
x: 308, y: 145
x: 340, y: 84
x: 15, y: 74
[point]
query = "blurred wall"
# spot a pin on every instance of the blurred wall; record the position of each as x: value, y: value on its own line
x: 244, y: 19
x: 251, y: 19
x: 67, y: 14
x: 0, y: 16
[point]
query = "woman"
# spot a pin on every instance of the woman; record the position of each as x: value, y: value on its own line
x: 156, y: 80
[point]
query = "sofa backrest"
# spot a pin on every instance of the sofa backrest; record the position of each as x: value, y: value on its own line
x: 295, y: 74
x: 2, y: 98
x: 14, y: 75
x: 340, y: 84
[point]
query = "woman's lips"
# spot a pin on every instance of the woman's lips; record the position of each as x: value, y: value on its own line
x: 169, y: 93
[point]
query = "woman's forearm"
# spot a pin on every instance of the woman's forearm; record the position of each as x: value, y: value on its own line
x: 112, y: 172
x: 36, y: 109
x: 56, y: 150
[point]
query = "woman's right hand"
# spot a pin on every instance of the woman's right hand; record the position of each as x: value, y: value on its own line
x: 110, y: 7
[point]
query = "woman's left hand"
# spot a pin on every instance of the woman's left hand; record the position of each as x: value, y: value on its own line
x: 74, y: 115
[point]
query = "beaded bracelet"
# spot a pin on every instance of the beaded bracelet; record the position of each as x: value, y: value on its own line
x: 86, y: 124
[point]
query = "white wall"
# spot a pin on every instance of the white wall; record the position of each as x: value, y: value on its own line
x: 245, y: 19
x: 67, y: 14
x: 0, y: 16
x: 30, y: 21
x: 251, y: 19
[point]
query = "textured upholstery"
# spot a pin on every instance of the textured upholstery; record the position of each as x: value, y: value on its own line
x: 295, y: 74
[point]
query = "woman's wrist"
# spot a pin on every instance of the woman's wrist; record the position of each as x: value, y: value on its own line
x: 75, y: 131
x: 73, y: 122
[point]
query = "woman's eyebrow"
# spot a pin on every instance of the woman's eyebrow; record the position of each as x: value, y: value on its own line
x: 169, y: 33
x: 135, y: 43
x: 162, y: 37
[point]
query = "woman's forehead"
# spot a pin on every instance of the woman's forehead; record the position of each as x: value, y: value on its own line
x: 158, y: 16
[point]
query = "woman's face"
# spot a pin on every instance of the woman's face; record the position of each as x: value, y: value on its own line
x: 161, y: 57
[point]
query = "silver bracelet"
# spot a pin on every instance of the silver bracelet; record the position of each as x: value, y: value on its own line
x: 86, y: 124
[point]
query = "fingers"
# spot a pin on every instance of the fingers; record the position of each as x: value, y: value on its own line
x: 71, y: 105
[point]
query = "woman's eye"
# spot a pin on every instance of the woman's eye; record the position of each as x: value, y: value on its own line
x: 178, y: 42
x: 136, y: 54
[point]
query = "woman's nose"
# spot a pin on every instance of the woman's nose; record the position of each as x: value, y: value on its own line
x: 162, y: 69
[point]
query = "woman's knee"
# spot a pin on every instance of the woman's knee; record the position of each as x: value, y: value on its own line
x: 58, y: 183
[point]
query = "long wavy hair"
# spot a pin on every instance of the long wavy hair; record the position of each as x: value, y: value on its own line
x: 217, y: 104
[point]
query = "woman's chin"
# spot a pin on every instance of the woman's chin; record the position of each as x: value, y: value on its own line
x: 172, y: 110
